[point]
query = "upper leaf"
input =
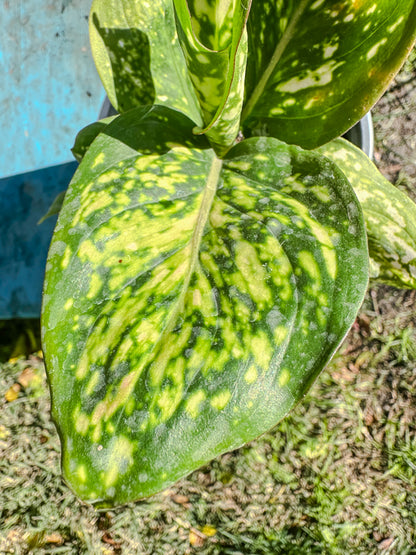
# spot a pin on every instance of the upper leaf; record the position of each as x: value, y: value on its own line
x: 189, y: 302
x: 138, y: 56
x: 389, y: 214
x: 316, y: 67
x: 214, y: 40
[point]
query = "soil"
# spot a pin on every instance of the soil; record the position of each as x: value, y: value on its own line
x: 395, y: 129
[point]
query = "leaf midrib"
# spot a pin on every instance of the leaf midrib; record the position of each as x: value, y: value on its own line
x: 203, y: 215
x: 276, y: 57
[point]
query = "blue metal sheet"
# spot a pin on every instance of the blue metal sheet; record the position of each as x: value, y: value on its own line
x: 23, y: 242
x: 50, y: 90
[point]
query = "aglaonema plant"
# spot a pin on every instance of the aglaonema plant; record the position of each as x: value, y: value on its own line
x: 213, y: 247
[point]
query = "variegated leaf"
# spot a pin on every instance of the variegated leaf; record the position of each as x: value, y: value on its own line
x: 189, y: 301
x: 214, y: 40
x: 316, y: 67
x: 389, y: 215
x: 138, y: 56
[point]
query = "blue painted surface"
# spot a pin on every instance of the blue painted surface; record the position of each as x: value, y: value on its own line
x: 23, y: 243
x: 50, y: 90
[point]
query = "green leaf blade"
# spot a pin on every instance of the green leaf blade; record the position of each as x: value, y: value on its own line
x: 100, y: 253
x: 314, y: 216
x: 198, y: 299
x: 315, y: 68
x: 389, y: 214
x: 138, y: 56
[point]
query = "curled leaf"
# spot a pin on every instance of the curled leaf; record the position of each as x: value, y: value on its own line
x: 214, y: 40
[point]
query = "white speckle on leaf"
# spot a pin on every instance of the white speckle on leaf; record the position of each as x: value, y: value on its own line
x: 329, y: 50
x: 317, y: 4
x: 319, y: 77
x: 373, y: 51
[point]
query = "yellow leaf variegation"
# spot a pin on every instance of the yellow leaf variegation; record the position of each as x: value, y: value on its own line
x: 389, y: 214
x: 189, y: 300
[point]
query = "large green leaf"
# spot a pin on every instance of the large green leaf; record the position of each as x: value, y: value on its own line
x: 214, y: 40
x: 389, y: 214
x: 138, y: 56
x: 189, y: 301
x: 316, y: 67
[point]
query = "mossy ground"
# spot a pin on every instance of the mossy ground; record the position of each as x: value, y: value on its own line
x: 337, y: 476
